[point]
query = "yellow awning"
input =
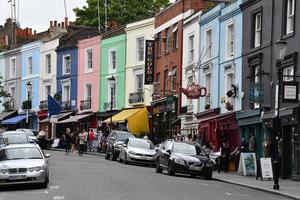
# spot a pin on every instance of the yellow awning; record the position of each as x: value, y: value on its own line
x: 137, y: 120
x: 138, y: 123
x: 123, y: 115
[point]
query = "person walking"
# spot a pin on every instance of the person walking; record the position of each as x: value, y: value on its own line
x: 67, y: 138
x: 73, y: 142
x: 81, y: 138
x: 91, y: 140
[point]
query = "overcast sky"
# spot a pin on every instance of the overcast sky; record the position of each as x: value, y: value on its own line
x: 37, y: 14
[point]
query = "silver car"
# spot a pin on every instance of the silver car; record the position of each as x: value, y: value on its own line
x: 15, y: 137
x: 31, y: 133
x: 136, y: 150
x: 23, y: 164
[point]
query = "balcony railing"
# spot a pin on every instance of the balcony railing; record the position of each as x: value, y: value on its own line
x: 136, y: 97
x: 44, y: 105
x: 66, y: 105
x: 85, y: 105
x: 106, y: 105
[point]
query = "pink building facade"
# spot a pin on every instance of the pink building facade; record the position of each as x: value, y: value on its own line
x: 88, y: 74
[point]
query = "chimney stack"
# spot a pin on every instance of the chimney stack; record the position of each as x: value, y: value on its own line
x: 55, y: 23
x: 30, y: 32
x: 66, y: 22
x: 58, y: 24
x: 63, y: 24
x: 51, y: 24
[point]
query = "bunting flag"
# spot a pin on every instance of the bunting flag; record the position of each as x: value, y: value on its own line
x: 53, y: 106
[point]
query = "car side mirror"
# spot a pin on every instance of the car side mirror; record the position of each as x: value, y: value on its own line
x: 169, y: 151
x: 47, y: 155
x: 124, y: 145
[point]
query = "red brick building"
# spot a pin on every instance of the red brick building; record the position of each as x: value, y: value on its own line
x: 166, y: 104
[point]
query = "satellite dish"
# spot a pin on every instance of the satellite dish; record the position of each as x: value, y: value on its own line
x: 18, y: 25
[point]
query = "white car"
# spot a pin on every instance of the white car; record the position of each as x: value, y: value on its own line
x: 30, y: 132
x: 136, y: 150
x: 23, y: 164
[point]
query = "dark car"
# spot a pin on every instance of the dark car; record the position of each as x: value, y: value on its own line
x: 115, y: 140
x: 183, y: 157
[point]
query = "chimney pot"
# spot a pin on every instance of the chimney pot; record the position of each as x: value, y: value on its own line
x: 30, y: 31
x: 66, y: 22
x: 63, y: 24
x: 58, y: 24
x: 51, y: 23
x: 55, y: 23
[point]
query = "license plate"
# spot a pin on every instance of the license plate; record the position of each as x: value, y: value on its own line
x: 17, y: 177
x: 196, y: 168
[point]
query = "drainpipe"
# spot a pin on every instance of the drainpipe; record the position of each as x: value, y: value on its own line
x: 219, y: 61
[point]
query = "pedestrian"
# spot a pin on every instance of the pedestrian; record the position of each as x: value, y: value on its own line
x: 252, y: 142
x: 73, y: 142
x: 67, y: 139
x: 90, y: 142
x: 81, y: 138
x: 225, y: 154
x: 86, y: 137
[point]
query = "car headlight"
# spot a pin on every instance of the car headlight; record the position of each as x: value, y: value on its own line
x: 132, y: 152
x: 4, y: 171
x: 178, y: 161
x: 31, y: 169
x: 38, y: 169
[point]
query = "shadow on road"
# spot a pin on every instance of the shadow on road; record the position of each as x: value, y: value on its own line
x: 19, y: 187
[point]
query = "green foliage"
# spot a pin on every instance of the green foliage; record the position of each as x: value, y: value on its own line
x: 4, y: 94
x: 121, y: 11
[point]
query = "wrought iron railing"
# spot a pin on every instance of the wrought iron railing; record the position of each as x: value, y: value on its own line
x: 44, y: 105
x: 86, y: 104
x: 136, y: 97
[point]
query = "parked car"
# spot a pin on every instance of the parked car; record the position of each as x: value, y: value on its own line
x: 23, y: 164
x: 30, y: 132
x: 136, y: 150
x: 184, y: 157
x: 115, y: 140
x: 2, y: 143
x: 15, y: 137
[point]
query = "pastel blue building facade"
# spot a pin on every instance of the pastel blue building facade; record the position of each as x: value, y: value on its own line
x: 67, y: 79
x: 2, y: 75
x: 30, y: 62
x: 221, y: 63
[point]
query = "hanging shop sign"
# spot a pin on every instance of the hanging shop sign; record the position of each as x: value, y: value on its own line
x: 149, y: 62
x: 256, y: 92
x: 194, y: 91
x: 290, y: 92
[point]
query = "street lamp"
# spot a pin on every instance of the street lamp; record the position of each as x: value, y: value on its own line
x: 112, y: 78
x: 280, y: 50
x: 29, y: 87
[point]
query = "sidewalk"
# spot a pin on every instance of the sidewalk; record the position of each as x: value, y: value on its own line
x: 88, y: 153
x: 288, y: 187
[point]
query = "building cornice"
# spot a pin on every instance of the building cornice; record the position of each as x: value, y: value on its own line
x: 248, y: 3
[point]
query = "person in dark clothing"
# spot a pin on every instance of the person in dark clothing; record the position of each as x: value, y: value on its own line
x: 73, y: 142
x: 67, y: 138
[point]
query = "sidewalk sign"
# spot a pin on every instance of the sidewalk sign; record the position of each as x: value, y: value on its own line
x: 266, y: 168
x: 247, y: 164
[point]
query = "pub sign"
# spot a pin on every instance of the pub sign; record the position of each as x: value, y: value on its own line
x: 149, y: 62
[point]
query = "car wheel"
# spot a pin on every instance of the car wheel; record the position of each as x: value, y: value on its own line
x: 45, y: 184
x: 158, y: 168
x: 107, y: 156
x: 208, y: 175
x: 170, y: 169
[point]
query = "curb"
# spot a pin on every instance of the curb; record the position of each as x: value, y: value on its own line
x: 87, y: 153
x: 260, y: 189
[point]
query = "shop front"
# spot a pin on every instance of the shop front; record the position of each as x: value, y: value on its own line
x: 164, y: 118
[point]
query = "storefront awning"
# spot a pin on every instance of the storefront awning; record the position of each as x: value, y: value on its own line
x: 75, y: 118
x: 13, y: 120
x: 59, y: 117
x: 123, y: 115
x: 137, y: 120
x: 45, y: 120
x: 4, y: 115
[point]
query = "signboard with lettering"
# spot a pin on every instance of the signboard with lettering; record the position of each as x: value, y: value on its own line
x: 247, y: 164
x: 256, y: 92
x: 266, y: 168
x: 290, y: 92
x: 149, y: 62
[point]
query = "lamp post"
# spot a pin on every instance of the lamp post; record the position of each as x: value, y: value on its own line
x: 112, y: 78
x: 29, y: 87
x: 280, y: 50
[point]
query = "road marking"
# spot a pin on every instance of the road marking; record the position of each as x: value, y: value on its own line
x: 54, y: 187
x: 229, y: 194
x: 58, y: 197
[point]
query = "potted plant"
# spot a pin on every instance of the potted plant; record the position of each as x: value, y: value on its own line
x: 207, y: 106
x: 228, y: 106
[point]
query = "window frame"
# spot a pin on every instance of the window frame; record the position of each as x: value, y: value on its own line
x: 29, y: 65
x: 230, y: 45
x: 140, y: 51
x: 111, y: 70
x: 48, y: 63
x: 137, y: 89
x: 87, y: 60
x: 64, y: 64
x: 285, y: 69
x: 287, y: 17
x: 254, y: 14
x: 110, y: 83
x: 191, y: 48
x: 208, y: 47
x: 46, y: 94
x: 86, y: 91
x: 175, y: 37
x: 13, y: 68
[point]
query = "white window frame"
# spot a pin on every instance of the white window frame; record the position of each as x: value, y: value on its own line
x: 87, y: 61
x: 136, y: 82
x: 13, y: 69
x: 175, y: 37
x: 29, y: 65
x: 46, y: 94
x: 229, y: 72
x: 63, y: 92
x: 208, y: 44
x: 257, y: 29
x: 110, y: 83
x: 191, y: 48
x: 168, y: 40
x: 208, y: 86
x: 140, y: 51
x: 64, y: 65
x: 85, y: 91
x: 288, y: 71
x: 230, y: 40
x: 290, y: 20
x: 190, y: 80
x: 12, y: 91
x: 111, y: 70
x: 48, y: 63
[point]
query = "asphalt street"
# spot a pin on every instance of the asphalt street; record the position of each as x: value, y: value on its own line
x: 94, y: 178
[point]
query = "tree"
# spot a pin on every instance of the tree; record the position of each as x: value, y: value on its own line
x: 120, y: 11
x: 5, y: 95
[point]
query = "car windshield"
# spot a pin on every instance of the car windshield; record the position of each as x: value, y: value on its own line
x: 21, y: 153
x: 144, y: 144
x: 123, y: 137
x: 186, y: 149
x: 15, y: 138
